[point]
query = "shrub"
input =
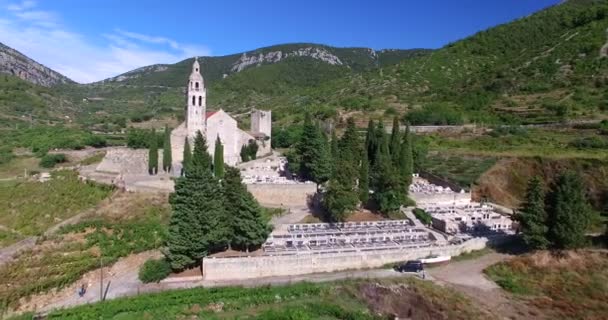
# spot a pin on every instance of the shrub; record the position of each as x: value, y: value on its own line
x: 589, y: 143
x: 154, y: 270
x: 423, y: 216
x: 50, y: 160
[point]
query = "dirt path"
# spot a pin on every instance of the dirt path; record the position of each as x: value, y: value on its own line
x: 468, y: 278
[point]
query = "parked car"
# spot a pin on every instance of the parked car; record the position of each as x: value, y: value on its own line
x: 410, y: 266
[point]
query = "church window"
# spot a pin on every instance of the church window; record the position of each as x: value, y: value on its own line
x: 196, y: 85
x: 200, y: 101
x: 193, y: 100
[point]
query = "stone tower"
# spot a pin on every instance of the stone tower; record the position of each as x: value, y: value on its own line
x: 261, y: 122
x: 197, y: 102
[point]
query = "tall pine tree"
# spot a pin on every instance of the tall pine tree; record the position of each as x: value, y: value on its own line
x: 200, y: 154
x: 387, y: 184
x: 364, y: 179
x: 395, y: 143
x: 406, y: 159
x: 153, y: 154
x: 193, y: 226
x: 313, y: 152
x: 371, y: 142
x: 167, y: 159
x: 248, y: 230
x: 569, y: 212
x: 218, y: 159
x: 532, y: 216
x: 187, y: 162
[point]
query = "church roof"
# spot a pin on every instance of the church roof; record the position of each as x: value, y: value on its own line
x: 208, y: 114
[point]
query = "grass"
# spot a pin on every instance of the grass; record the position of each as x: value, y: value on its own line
x: 61, y: 259
x: 32, y: 207
x: 355, y: 299
x: 269, y: 213
x: 462, y: 170
x: 568, y: 285
x: 8, y: 237
x: 96, y: 158
x: 18, y: 166
x: 546, y: 143
x: 472, y: 254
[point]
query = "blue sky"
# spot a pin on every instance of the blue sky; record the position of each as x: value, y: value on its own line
x: 89, y: 40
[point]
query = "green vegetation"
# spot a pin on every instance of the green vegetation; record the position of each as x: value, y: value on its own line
x: 357, y: 300
x: 218, y: 159
x: 211, y: 214
x: 50, y: 160
x: 167, y: 150
x: 154, y: 270
x: 462, y: 170
x: 568, y: 286
x: 249, y: 151
x: 63, y: 258
x: 532, y: 217
x: 423, y: 216
x: 96, y: 158
x: 560, y: 218
x: 31, y: 207
x: 153, y: 155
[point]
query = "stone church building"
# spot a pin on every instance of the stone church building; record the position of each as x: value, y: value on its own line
x: 213, y: 124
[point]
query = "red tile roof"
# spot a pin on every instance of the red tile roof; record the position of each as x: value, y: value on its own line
x: 208, y: 114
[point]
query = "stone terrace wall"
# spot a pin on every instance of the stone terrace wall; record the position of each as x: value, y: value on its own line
x: 424, y: 198
x: 272, y: 266
x: 282, y: 194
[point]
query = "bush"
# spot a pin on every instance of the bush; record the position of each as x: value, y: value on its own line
x: 50, y: 160
x: 423, y: 216
x: 154, y: 270
x: 589, y: 143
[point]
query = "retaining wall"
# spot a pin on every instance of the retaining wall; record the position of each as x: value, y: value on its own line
x: 282, y: 194
x: 424, y: 198
x: 272, y: 266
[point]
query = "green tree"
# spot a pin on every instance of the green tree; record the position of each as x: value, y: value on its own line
x: 532, y: 216
x: 395, y: 143
x: 364, y: 178
x: 200, y: 154
x: 167, y: 160
x: 405, y: 164
x: 313, y: 152
x: 334, y: 146
x: 244, y: 153
x: 371, y: 142
x: 196, y: 213
x: 246, y: 223
x: 218, y: 159
x: 153, y: 156
x: 388, y: 186
x: 187, y: 162
x: 569, y: 212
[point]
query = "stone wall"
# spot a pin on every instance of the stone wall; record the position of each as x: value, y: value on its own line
x: 446, y: 198
x: 273, y: 266
x: 282, y: 194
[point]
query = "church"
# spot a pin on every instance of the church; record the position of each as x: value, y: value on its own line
x: 213, y: 124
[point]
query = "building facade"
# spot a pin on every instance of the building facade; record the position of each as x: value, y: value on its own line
x: 214, y: 124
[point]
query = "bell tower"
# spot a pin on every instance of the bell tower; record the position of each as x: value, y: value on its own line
x: 197, y: 102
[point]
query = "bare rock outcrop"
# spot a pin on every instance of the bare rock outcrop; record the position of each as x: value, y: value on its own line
x: 15, y: 63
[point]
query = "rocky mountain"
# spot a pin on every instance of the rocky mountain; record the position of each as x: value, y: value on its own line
x: 15, y: 63
x: 217, y: 68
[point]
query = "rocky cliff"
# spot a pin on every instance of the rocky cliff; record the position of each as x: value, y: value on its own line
x: 15, y: 63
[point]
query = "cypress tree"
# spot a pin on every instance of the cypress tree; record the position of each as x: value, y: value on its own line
x: 569, y: 212
x: 244, y: 215
x: 532, y: 216
x: 314, y: 154
x: 153, y: 155
x: 395, y: 144
x: 218, y: 159
x: 187, y: 162
x: 364, y: 179
x: 370, y: 141
x: 388, y: 193
x: 334, y: 146
x: 200, y: 154
x: 195, y: 223
x: 406, y: 159
x: 244, y: 153
x: 167, y: 160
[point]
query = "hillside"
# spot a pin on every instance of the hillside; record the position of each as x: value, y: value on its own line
x: 13, y: 62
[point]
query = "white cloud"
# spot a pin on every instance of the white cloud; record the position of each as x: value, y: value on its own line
x: 41, y: 36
